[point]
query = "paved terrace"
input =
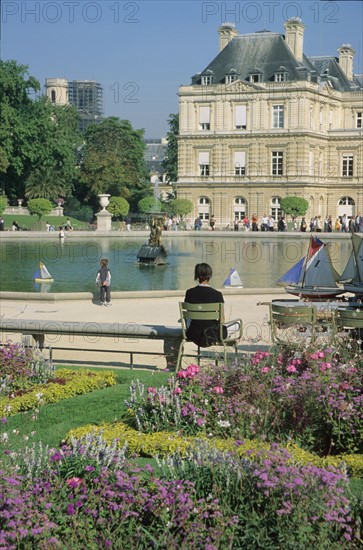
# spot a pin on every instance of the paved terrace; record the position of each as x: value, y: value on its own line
x: 144, y: 307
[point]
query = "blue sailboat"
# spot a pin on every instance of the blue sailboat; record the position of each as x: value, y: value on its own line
x: 313, y: 277
x: 233, y: 279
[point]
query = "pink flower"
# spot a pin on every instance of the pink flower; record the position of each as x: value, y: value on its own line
x: 291, y: 368
x: 182, y: 374
x: 265, y: 369
x: 151, y: 390
x: 217, y: 389
x: 74, y: 482
x: 177, y: 391
x: 321, y: 355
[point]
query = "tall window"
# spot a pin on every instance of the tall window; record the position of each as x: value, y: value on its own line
x: 241, y: 117
x: 53, y: 96
x: 277, y: 163
x: 203, y: 163
x: 239, y: 208
x: 359, y: 119
x: 311, y: 163
x: 275, y: 208
x: 240, y: 163
x: 347, y: 165
x: 277, y: 116
x: 204, y: 208
x: 204, y: 118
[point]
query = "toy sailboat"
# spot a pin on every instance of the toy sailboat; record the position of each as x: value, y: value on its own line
x: 233, y: 279
x: 352, y: 276
x: 42, y: 275
x: 314, y: 276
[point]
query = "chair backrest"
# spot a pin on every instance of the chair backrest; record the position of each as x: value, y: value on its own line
x: 291, y: 315
x: 349, y: 318
x: 199, y: 312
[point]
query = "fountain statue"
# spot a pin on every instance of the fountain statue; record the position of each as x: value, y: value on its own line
x: 154, y: 252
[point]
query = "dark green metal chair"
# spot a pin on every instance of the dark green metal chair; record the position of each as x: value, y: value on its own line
x: 284, y: 316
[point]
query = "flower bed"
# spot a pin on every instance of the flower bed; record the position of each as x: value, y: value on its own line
x: 312, y: 397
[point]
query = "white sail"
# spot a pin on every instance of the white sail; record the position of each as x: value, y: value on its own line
x: 42, y: 274
x: 233, y: 279
x: 349, y: 271
x: 319, y: 270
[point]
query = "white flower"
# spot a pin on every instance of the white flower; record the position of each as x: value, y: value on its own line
x: 38, y: 396
x: 4, y: 437
x: 224, y: 423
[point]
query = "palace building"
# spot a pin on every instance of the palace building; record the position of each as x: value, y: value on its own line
x: 263, y: 121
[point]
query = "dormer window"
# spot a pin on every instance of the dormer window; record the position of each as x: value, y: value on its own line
x: 255, y: 77
x: 280, y: 77
x: 230, y: 78
x: 207, y: 78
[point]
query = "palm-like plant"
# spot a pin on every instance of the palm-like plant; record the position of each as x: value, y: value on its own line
x: 46, y: 183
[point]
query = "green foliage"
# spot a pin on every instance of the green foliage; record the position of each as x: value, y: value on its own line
x: 35, y: 135
x: 113, y: 159
x: 118, y: 207
x: 39, y: 207
x: 294, y: 206
x: 74, y: 209
x: 170, y: 163
x: 147, y: 204
x: 3, y: 203
x: 181, y: 207
x: 46, y: 183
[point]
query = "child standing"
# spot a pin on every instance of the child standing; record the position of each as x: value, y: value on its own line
x: 103, y: 279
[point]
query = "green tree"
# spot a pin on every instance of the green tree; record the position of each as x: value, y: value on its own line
x: 113, y: 160
x: 181, y: 207
x: 147, y: 204
x: 294, y: 206
x: 34, y: 134
x: 39, y: 207
x: 118, y: 207
x: 3, y: 203
x: 46, y: 183
x: 170, y: 162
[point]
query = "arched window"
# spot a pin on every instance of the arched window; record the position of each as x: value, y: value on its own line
x: 239, y: 208
x: 53, y: 96
x: 204, y: 208
x: 275, y: 208
x: 346, y: 205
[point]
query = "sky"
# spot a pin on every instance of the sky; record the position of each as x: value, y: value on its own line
x: 142, y: 51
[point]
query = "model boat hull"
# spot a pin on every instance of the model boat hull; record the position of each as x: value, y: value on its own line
x: 314, y: 294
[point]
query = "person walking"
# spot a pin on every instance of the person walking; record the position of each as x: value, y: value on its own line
x: 236, y: 224
x: 303, y: 225
x: 2, y: 224
x: 103, y: 280
x: 128, y: 223
x: 212, y: 223
x: 271, y: 223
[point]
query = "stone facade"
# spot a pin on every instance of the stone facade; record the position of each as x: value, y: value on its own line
x: 253, y: 133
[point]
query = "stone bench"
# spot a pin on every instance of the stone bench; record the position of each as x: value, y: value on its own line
x: 34, y: 332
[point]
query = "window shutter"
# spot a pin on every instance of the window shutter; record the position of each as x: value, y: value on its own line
x: 204, y: 157
x: 240, y: 159
x: 241, y: 115
x: 204, y: 115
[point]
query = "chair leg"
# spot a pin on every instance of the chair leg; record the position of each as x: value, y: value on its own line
x: 180, y: 356
x: 198, y: 355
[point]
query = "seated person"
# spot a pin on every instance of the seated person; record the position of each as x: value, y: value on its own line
x: 203, y: 333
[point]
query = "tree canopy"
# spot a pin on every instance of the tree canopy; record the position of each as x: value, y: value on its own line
x: 181, y: 207
x: 118, y: 207
x: 294, y: 206
x: 35, y: 135
x: 39, y: 207
x: 148, y: 204
x: 113, y: 160
x: 170, y: 163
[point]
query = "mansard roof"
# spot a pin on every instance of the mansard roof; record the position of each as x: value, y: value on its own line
x: 267, y: 53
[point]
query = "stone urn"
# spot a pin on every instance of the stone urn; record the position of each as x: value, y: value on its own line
x: 104, y: 200
x: 104, y: 216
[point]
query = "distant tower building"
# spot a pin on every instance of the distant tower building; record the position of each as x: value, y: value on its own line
x: 57, y: 90
x: 86, y: 95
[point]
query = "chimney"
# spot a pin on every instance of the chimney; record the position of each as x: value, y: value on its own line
x: 346, y: 55
x: 294, y: 36
x: 226, y: 32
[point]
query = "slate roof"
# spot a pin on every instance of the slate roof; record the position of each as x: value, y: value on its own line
x: 154, y: 155
x: 268, y: 53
